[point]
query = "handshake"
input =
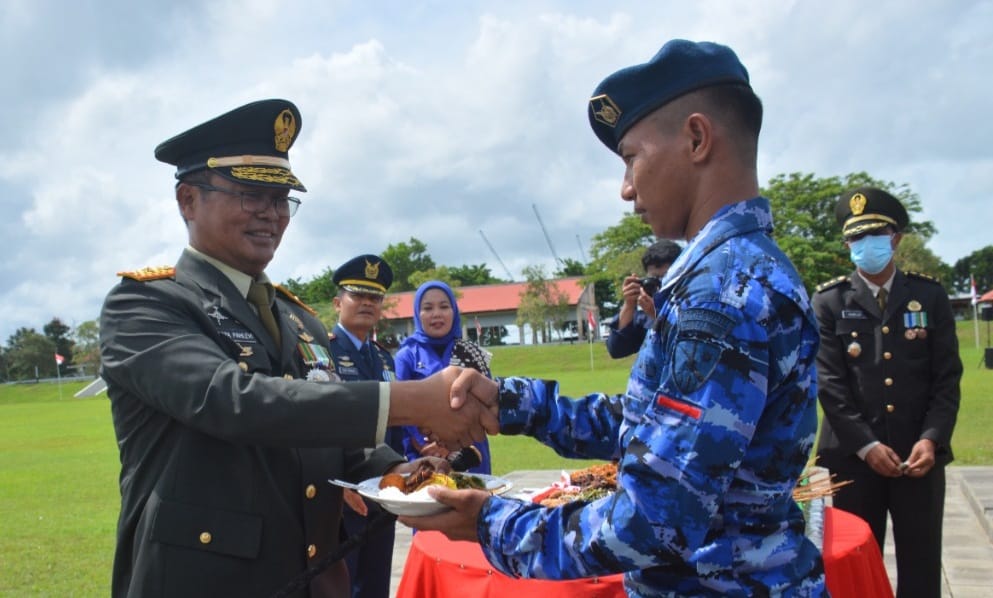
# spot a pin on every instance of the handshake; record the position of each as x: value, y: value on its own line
x: 454, y: 407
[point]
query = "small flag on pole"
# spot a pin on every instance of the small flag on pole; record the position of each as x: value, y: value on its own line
x: 975, y: 296
x: 592, y: 321
x: 479, y: 331
x: 59, y: 359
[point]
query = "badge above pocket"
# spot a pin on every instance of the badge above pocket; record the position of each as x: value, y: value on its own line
x: 698, y: 347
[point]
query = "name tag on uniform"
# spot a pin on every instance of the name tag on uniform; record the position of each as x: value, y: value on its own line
x: 853, y: 314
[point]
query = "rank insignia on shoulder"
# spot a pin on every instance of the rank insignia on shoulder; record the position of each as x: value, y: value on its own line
x: 286, y: 293
x: 831, y: 283
x: 149, y: 273
x: 922, y: 276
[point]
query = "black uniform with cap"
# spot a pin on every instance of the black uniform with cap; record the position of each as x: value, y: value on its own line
x: 370, y: 564
x: 888, y: 375
x: 225, y: 448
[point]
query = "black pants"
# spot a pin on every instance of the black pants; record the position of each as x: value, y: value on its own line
x: 917, y: 507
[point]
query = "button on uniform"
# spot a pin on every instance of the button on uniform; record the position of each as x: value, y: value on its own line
x: 886, y: 329
x: 205, y: 537
x: 311, y: 491
x: 888, y: 382
x: 311, y: 551
x: 890, y: 408
x: 887, y: 355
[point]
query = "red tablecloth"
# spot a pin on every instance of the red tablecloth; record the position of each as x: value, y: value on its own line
x: 852, y: 561
x: 438, y: 568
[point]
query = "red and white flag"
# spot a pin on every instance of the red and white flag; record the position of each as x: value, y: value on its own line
x: 479, y: 330
x: 975, y: 297
x: 592, y: 321
x: 59, y: 360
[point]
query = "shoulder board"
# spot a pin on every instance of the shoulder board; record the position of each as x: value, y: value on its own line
x: 149, y: 273
x: 831, y: 283
x: 294, y: 299
x: 922, y: 276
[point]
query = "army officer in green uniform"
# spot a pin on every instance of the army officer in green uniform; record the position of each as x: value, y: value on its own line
x: 888, y: 380
x: 227, y: 435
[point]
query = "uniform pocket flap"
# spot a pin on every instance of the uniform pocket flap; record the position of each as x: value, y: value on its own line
x: 204, y: 528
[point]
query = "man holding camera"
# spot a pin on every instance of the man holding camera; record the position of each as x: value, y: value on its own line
x: 627, y: 330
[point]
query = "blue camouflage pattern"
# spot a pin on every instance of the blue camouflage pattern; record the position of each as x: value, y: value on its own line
x: 716, y: 425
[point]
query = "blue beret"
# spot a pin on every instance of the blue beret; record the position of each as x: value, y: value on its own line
x: 364, y: 274
x: 247, y: 145
x: 632, y: 93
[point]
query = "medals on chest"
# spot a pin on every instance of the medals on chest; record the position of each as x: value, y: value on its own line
x: 915, y: 320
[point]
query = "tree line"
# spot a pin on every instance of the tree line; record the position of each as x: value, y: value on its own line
x: 805, y: 228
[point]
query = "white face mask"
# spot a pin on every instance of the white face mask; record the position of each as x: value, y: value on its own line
x: 871, y: 253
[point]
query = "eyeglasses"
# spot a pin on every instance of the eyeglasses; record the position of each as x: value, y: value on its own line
x: 256, y: 202
x: 360, y: 297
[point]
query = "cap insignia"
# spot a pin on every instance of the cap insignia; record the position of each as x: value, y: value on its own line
x: 286, y: 130
x: 605, y: 110
x: 857, y: 204
x: 371, y: 270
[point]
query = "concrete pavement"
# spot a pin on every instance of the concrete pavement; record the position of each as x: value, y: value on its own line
x: 967, y: 547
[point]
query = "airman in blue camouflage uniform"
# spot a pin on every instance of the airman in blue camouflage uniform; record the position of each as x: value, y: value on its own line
x: 719, y: 418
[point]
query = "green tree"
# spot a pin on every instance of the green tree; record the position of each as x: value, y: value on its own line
x: 442, y: 273
x: 59, y: 333
x: 544, y: 306
x: 30, y: 354
x: 473, y: 275
x: 570, y: 267
x: 978, y: 264
x: 87, y: 347
x: 405, y: 259
x: 319, y: 290
x: 913, y: 256
x: 807, y: 230
x: 616, y: 253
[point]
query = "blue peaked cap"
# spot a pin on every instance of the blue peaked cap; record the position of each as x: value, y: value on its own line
x: 681, y: 66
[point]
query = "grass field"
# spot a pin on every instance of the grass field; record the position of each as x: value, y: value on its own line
x: 59, y: 464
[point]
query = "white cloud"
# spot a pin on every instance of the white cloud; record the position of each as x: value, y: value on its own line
x: 437, y: 120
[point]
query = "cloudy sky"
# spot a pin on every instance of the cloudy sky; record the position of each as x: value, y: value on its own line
x: 440, y: 119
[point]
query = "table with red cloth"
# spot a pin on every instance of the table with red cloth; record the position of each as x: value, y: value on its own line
x: 437, y: 567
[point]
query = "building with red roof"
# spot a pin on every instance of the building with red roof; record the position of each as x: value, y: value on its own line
x: 494, y: 305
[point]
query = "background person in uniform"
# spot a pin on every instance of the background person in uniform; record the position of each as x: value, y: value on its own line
x: 362, y: 285
x: 637, y: 313
x: 226, y: 448
x: 436, y: 343
x: 888, y: 377
x: 719, y: 416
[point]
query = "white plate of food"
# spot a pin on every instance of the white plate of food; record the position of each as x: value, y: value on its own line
x: 414, y: 501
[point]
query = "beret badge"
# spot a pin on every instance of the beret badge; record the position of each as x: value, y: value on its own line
x: 857, y: 204
x: 605, y: 110
x: 371, y: 270
x: 285, y: 129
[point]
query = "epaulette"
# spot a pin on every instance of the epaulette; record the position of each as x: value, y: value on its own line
x: 831, y: 283
x: 294, y: 299
x: 922, y: 276
x: 149, y: 273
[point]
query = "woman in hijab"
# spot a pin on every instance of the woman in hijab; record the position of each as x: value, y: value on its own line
x: 437, y: 343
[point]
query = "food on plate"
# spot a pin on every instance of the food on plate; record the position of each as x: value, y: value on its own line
x: 426, y: 475
x: 588, y: 484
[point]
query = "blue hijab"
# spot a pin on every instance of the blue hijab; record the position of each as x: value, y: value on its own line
x: 420, y: 337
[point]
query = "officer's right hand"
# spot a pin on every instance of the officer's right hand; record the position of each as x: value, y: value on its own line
x: 884, y: 461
